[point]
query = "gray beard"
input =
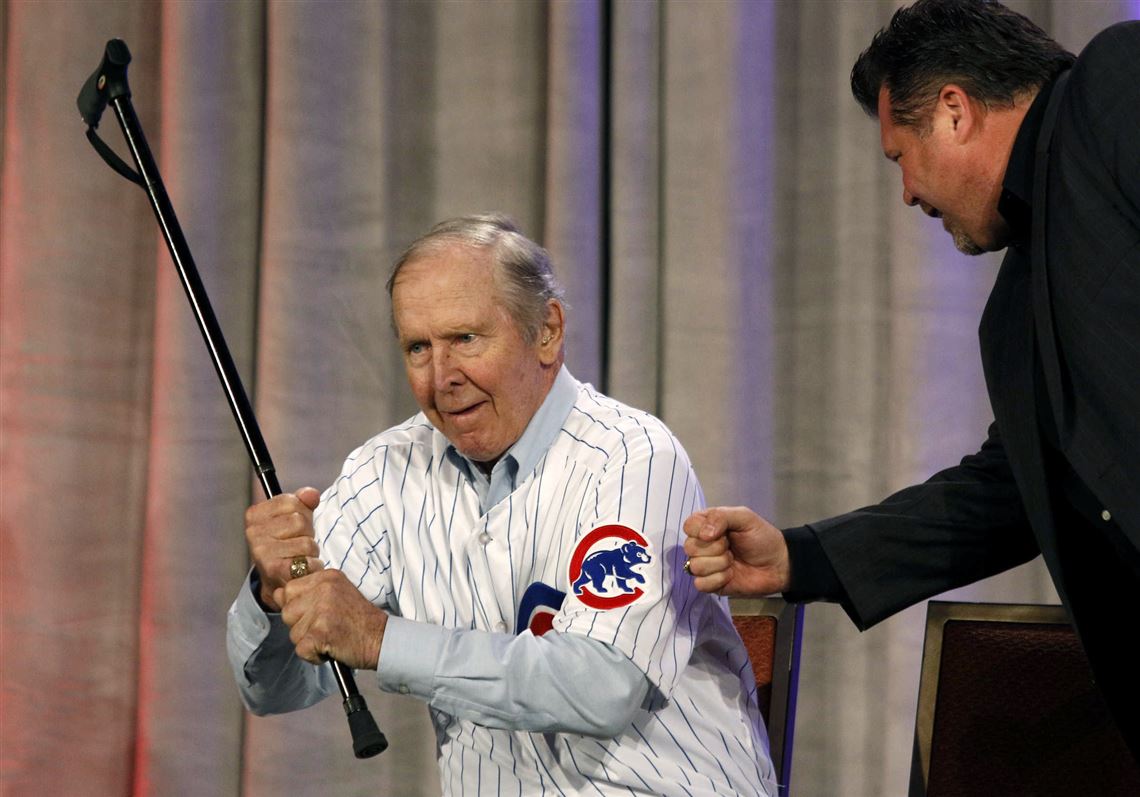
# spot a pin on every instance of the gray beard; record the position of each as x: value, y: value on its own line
x: 964, y: 243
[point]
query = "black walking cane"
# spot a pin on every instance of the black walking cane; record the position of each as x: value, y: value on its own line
x: 109, y: 84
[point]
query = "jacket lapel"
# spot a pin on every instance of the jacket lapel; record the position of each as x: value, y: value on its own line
x: 1042, y: 304
x: 1007, y: 334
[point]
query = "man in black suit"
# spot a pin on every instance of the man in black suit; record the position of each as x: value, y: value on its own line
x: 1015, y: 145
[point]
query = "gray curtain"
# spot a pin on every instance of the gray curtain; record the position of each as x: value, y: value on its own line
x: 735, y: 252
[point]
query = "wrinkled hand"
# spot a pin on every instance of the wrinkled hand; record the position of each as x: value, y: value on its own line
x: 278, y: 530
x: 734, y: 551
x: 327, y: 616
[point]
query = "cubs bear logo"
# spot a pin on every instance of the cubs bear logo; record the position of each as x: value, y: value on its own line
x: 602, y: 568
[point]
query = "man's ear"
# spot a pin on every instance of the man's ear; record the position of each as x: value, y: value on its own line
x: 963, y: 112
x: 551, y: 333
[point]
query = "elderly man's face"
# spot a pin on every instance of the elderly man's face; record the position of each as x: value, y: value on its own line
x: 941, y: 174
x: 473, y: 374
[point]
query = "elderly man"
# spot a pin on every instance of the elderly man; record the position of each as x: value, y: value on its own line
x: 1015, y: 145
x: 510, y: 555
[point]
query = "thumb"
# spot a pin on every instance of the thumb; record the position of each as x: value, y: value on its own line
x: 309, y: 496
x: 708, y: 524
x: 695, y: 523
x: 721, y: 520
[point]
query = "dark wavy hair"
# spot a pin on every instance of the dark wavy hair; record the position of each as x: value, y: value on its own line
x: 995, y: 54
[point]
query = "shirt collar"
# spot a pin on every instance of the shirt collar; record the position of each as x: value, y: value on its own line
x: 1016, y: 202
x: 523, y: 456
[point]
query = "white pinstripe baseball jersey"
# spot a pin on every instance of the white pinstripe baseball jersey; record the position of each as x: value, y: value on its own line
x: 598, y: 519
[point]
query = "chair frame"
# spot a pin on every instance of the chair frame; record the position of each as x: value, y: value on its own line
x: 937, y: 615
x: 789, y: 618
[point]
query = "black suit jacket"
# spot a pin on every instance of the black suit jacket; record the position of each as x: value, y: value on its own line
x: 1074, y: 305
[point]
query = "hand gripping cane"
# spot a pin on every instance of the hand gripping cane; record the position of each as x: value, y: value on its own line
x: 108, y: 84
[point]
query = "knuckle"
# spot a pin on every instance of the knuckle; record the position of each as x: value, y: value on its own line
x: 298, y: 524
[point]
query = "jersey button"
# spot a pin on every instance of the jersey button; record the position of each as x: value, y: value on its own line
x: 484, y: 538
x: 501, y: 627
x: 1105, y: 515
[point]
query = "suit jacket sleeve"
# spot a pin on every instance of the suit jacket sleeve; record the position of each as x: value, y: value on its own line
x: 963, y: 524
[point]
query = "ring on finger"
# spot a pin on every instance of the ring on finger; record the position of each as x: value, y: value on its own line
x: 688, y: 568
x: 299, y: 567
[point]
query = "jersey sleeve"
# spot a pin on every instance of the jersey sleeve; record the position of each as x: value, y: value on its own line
x: 352, y: 523
x: 626, y: 584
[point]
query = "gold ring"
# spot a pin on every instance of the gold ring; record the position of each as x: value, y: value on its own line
x: 299, y: 567
x: 688, y: 568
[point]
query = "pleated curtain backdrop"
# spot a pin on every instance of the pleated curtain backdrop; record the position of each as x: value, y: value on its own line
x: 735, y: 253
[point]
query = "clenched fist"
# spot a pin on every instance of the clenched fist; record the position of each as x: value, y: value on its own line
x: 278, y: 530
x: 734, y: 551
